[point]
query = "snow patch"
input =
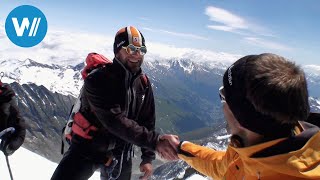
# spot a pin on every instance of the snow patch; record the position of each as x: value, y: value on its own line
x: 28, y: 165
x: 223, y: 137
x: 197, y: 177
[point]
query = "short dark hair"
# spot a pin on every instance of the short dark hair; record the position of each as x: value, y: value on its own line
x: 278, y: 88
x: 267, y: 94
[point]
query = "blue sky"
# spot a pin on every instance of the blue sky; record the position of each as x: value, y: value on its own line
x: 288, y: 27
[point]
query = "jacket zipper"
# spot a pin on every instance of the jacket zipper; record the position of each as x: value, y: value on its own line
x: 133, y: 95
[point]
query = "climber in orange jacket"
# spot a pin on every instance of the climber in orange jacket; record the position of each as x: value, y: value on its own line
x: 265, y: 103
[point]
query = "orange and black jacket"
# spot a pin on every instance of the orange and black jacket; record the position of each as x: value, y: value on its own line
x: 121, y: 105
x: 10, y: 117
x: 293, y: 158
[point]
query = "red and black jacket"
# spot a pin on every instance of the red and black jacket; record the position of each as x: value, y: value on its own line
x: 121, y: 105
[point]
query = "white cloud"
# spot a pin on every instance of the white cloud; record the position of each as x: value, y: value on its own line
x: 198, y: 55
x: 187, y: 35
x: 179, y: 34
x: 267, y: 44
x: 229, y: 22
x: 59, y: 47
x: 70, y: 48
x: 225, y: 17
x: 227, y: 29
x: 148, y: 29
x: 144, y: 18
x: 193, y: 36
x: 222, y: 28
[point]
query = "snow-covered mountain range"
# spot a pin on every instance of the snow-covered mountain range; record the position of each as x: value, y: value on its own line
x: 62, y: 79
x: 66, y: 79
x: 180, y: 85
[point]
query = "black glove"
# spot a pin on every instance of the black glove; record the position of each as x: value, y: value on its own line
x: 5, y: 146
x: 7, y: 150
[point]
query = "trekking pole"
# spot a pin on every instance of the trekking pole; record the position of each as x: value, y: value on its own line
x: 2, y: 134
x: 9, y: 168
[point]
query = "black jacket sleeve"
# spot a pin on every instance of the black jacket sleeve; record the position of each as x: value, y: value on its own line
x: 6, y: 94
x: 4, y: 115
x: 100, y: 92
x: 15, y: 120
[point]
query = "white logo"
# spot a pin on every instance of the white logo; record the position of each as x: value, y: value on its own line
x: 26, y: 25
x: 135, y: 39
x: 122, y: 42
x: 143, y: 97
x: 230, y: 75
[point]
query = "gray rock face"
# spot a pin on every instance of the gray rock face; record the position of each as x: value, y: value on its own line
x: 45, y: 114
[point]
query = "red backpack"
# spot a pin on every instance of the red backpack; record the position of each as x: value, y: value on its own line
x: 93, y: 61
x: 77, y: 123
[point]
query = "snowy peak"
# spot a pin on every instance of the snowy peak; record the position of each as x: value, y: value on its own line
x: 312, y: 73
x: 184, y: 65
x: 63, y: 79
x: 13, y: 63
x: 32, y: 63
x: 314, y: 104
x: 313, y: 77
x: 181, y: 65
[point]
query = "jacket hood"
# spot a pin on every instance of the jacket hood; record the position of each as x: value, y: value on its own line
x: 297, y: 156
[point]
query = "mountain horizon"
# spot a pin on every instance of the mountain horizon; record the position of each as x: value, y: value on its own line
x: 66, y: 79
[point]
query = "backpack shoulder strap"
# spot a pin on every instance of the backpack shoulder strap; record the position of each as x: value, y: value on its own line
x: 77, y: 105
x: 67, y: 129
